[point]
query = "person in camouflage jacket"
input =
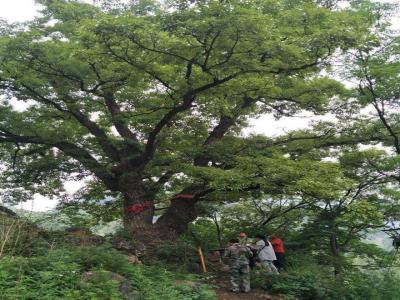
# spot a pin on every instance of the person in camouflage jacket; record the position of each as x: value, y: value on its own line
x: 239, y: 269
x: 243, y: 239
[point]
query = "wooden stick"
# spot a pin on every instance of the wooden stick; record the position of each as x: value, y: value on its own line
x: 203, y: 264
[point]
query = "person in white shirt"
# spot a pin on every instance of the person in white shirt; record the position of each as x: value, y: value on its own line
x: 266, y: 254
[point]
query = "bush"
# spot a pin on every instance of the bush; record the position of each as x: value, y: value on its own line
x: 318, y: 282
x: 372, y: 285
x: 181, y: 252
x: 17, y: 236
x: 49, y: 277
x: 58, y: 273
x: 302, y: 283
x: 157, y: 284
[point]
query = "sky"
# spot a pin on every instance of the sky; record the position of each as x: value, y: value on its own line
x: 24, y: 10
x: 17, y: 10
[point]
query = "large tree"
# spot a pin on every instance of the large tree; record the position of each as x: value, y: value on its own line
x: 147, y: 98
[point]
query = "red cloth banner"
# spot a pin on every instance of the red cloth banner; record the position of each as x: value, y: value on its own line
x: 138, y: 207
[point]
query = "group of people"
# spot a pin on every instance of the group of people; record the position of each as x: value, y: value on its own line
x: 245, y: 253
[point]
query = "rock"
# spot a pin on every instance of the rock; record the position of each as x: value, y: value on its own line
x: 133, y: 259
x: 132, y: 247
x: 93, y: 239
x: 100, y: 276
x: 122, y: 244
x: 83, y: 237
x: 193, y: 267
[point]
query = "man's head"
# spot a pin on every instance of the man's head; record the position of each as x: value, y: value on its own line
x: 242, y: 235
x: 233, y: 241
x: 258, y: 237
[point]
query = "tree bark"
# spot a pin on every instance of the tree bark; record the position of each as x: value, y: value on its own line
x: 7, y: 211
x: 335, y: 251
x: 138, y: 205
x: 177, y: 218
x: 217, y: 229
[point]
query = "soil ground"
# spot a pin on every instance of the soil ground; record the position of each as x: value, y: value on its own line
x: 222, y: 290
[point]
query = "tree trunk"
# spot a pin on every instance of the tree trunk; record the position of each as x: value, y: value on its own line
x: 176, y: 219
x: 335, y: 251
x: 218, y: 229
x: 138, y: 207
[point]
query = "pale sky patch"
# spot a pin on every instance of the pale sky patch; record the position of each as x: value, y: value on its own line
x: 18, y: 10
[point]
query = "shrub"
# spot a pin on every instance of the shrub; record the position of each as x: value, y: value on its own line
x: 57, y: 275
x: 371, y: 285
x: 17, y: 236
x: 47, y: 278
x: 318, y: 282
x: 180, y: 252
x: 302, y: 283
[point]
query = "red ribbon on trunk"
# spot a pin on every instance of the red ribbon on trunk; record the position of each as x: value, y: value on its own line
x: 138, y: 207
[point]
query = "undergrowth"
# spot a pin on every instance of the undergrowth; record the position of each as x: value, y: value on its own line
x: 315, y: 282
x: 58, y: 275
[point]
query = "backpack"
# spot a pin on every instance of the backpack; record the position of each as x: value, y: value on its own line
x: 254, y: 259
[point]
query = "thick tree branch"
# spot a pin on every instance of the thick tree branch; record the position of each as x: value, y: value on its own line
x: 80, y: 154
x: 379, y: 110
x: 385, y: 123
x: 136, y: 65
x: 188, y: 99
x: 87, y: 160
x: 99, y: 133
x: 283, y: 212
x: 116, y: 116
x: 8, y: 211
x: 324, y: 141
x: 229, y: 54
x: 207, y: 52
x: 219, y: 131
x: 325, y: 135
x: 290, y: 70
x: 91, y: 126
x: 168, y: 117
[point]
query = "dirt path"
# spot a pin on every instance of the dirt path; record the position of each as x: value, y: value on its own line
x: 222, y: 290
x: 223, y: 294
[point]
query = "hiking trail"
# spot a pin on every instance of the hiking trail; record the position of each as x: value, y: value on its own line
x: 222, y: 290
